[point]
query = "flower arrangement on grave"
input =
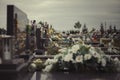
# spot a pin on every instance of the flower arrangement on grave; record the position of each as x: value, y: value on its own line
x: 81, y: 57
x: 36, y: 64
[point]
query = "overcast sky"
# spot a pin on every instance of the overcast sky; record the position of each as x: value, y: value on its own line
x: 62, y: 14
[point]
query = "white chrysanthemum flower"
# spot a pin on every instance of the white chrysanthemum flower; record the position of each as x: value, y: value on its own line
x: 79, y: 58
x: 47, y: 62
x: 103, y: 62
x: 94, y: 53
x: 33, y: 65
x: 68, y: 57
x: 75, y: 48
x: 54, y: 61
x: 50, y: 61
x: 48, y: 68
x: 87, y: 56
x: 92, y: 50
x: 70, y: 51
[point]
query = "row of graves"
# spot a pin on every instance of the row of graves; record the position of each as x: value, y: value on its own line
x: 69, y: 54
x: 77, y: 53
x: 39, y: 47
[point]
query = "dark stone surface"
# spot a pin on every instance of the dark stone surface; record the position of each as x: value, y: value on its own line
x: 14, y: 17
x: 75, y: 76
x: 61, y: 76
x: 38, y: 37
x: 13, y: 71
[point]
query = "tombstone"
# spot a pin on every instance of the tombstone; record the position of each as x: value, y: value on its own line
x: 27, y: 44
x: 38, y: 37
x: 16, y: 24
x: 16, y: 20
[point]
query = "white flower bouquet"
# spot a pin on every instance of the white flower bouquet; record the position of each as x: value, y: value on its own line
x: 81, y: 57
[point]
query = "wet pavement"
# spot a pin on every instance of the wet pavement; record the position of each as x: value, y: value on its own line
x: 75, y: 76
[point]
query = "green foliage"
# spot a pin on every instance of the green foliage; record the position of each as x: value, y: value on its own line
x: 84, y: 50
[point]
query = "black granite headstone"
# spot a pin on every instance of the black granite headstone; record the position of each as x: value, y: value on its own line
x: 16, y: 20
x: 38, y: 37
x: 27, y: 38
